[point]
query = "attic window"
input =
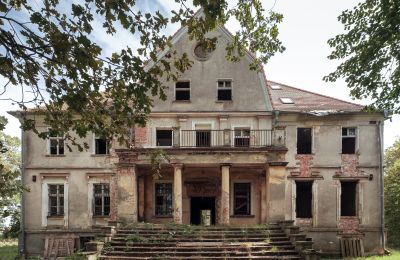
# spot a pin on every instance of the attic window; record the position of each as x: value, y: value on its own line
x: 276, y: 87
x: 285, y: 100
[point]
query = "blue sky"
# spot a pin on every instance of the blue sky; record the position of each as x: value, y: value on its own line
x: 307, y: 26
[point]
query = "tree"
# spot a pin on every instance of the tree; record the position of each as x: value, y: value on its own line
x: 369, y: 51
x: 10, y: 182
x: 392, y: 193
x: 47, y: 51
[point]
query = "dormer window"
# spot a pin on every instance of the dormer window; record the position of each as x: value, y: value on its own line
x: 285, y: 100
x: 182, y: 90
x: 224, y: 90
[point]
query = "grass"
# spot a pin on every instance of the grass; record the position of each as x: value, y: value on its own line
x: 394, y: 255
x: 8, y: 249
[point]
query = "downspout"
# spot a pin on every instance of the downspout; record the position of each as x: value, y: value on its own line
x: 22, y: 223
x: 382, y: 194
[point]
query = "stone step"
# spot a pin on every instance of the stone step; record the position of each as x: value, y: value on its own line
x: 204, y: 253
x: 291, y: 257
x: 199, y: 236
x: 242, y: 247
x: 226, y: 240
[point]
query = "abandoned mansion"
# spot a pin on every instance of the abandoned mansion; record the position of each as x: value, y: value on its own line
x: 242, y: 151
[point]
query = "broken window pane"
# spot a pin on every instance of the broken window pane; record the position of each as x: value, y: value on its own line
x: 242, y: 198
x: 163, y: 199
x: 304, y: 140
x: 101, y: 199
x: 101, y: 145
x: 348, y: 140
x: 224, y: 90
x: 304, y: 199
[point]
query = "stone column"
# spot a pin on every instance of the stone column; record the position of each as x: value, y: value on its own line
x: 127, y: 193
x: 141, y: 199
x: 178, y: 193
x: 225, y: 194
x: 275, y: 184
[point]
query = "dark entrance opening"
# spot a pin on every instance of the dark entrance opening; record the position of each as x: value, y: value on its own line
x: 304, y: 199
x: 201, y: 209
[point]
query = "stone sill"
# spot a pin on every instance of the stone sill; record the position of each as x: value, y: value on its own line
x: 242, y: 216
x: 224, y: 101
x: 169, y: 216
x: 182, y: 101
x: 55, y: 155
x: 99, y: 155
x: 56, y: 217
x: 101, y: 217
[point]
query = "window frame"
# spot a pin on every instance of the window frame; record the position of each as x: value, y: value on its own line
x: 57, y: 138
x: 94, y: 150
x: 312, y: 182
x: 188, y: 89
x: 311, y: 140
x: 224, y: 88
x: 155, y: 212
x: 249, y: 198
x: 164, y: 129
x: 348, y: 137
x: 241, y: 129
x: 103, y: 197
x: 356, y: 198
x: 58, y: 197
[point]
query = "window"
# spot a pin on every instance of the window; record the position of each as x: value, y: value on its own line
x: 56, y: 199
x: 56, y: 143
x: 304, y: 199
x: 348, y: 198
x: 348, y: 140
x: 242, y: 137
x: 276, y: 87
x: 101, y: 195
x: 285, y: 100
x: 224, y: 90
x: 163, y: 199
x: 304, y: 140
x: 164, y: 137
x: 101, y: 145
x: 242, y: 198
x: 182, y: 90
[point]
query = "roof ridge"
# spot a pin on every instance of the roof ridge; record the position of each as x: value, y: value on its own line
x: 322, y: 95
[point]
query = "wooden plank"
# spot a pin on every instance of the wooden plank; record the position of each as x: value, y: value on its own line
x: 342, y: 247
x: 362, y: 247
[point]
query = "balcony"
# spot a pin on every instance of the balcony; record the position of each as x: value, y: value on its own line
x: 240, y: 138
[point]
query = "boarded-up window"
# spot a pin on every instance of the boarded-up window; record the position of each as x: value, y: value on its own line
x: 242, y: 137
x: 182, y: 90
x: 224, y: 90
x: 164, y: 137
x: 304, y: 140
x: 348, y: 198
x: 348, y: 140
x: 56, y: 200
x: 163, y: 197
x: 242, y: 198
x: 304, y: 199
x: 101, y: 195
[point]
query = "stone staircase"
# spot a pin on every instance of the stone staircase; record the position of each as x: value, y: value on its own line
x: 152, y: 241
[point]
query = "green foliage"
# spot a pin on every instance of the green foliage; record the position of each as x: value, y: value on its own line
x: 10, y: 182
x: 369, y: 51
x: 392, y: 193
x: 48, y: 53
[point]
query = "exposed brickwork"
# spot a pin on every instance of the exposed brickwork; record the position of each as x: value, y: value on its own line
x: 349, y: 225
x: 114, y: 198
x: 141, y: 136
x: 305, y: 162
x: 349, y: 165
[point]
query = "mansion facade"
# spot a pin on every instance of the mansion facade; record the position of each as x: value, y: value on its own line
x: 241, y: 150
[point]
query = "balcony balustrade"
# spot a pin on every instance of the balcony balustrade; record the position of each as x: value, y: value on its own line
x: 241, y: 138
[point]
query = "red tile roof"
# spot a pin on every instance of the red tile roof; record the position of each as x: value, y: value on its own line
x: 306, y: 101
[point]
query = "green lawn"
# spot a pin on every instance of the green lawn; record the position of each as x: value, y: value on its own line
x: 8, y: 249
x: 394, y: 255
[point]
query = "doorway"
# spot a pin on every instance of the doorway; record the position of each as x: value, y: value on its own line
x: 202, y: 211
